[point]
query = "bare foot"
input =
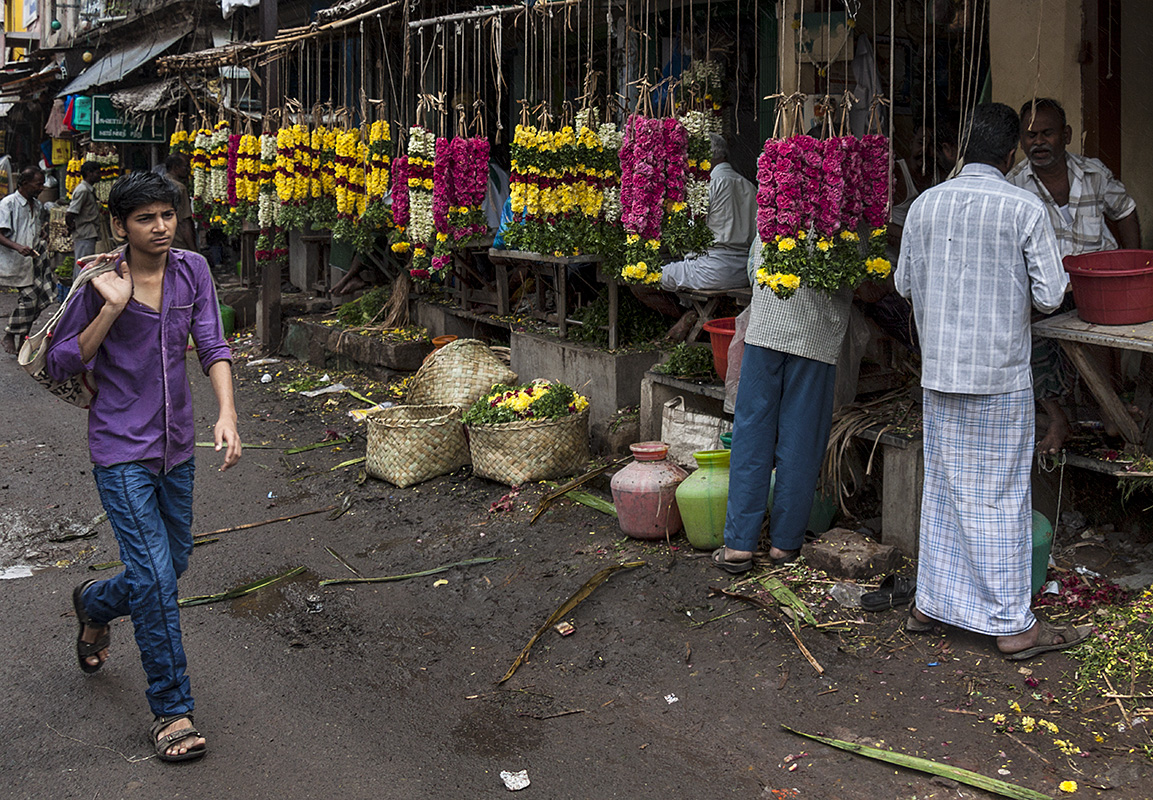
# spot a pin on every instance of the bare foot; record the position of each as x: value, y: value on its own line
x: 1058, y: 430
x: 10, y: 344
x: 917, y: 615
x: 182, y: 746
x: 91, y: 634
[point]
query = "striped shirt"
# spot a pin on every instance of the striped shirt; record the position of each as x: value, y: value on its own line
x: 1094, y: 196
x: 977, y: 253
x: 810, y: 324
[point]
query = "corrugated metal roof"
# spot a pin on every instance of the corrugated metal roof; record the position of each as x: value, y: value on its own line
x: 119, y: 63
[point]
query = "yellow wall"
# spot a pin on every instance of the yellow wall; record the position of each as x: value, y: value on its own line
x: 1136, y: 121
x: 1014, y: 29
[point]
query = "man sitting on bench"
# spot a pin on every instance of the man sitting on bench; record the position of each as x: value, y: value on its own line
x: 732, y: 219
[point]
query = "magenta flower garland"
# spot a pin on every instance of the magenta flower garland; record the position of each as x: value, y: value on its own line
x: 811, y: 198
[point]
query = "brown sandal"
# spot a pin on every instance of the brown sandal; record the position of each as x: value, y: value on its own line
x: 1047, y: 636
x: 162, y: 743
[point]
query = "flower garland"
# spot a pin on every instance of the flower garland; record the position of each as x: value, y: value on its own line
x: 267, y: 180
x: 421, y: 225
x: 351, y: 196
x: 218, y: 205
x: 544, y: 189
x: 653, y: 159
x: 811, y: 197
x: 700, y: 126
x: 459, y: 180
x: 376, y: 216
x: 72, y: 176
x: 199, y: 165
x: 400, y: 206
x: 181, y: 142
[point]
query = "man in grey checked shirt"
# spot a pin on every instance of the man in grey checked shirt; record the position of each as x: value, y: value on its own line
x: 1080, y: 194
x: 978, y: 254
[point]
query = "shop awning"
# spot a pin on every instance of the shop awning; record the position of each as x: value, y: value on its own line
x: 119, y: 63
x: 149, y: 97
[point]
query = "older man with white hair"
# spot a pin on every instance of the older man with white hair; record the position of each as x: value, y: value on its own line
x: 733, y: 221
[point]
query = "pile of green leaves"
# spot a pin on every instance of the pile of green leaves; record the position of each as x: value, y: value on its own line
x: 66, y: 268
x: 1121, y: 647
x: 364, y: 309
x: 636, y: 323
x: 689, y: 361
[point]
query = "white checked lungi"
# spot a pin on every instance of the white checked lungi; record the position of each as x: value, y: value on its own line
x: 975, y: 560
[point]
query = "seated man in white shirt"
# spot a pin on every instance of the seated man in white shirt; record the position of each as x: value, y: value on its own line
x: 733, y: 221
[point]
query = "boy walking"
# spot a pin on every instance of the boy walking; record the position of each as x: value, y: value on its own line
x: 129, y: 327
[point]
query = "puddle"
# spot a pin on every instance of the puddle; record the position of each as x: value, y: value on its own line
x: 30, y: 543
x: 273, y: 599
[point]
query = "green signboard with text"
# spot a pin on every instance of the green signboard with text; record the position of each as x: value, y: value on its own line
x: 109, y: 124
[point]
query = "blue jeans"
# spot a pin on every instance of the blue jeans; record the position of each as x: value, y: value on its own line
x: 151, y: 516
x: 782, y: 419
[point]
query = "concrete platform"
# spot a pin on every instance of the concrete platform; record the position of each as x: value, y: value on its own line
x: 657, y: 389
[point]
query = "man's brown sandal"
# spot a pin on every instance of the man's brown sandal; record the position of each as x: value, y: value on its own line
x: 86, y: 650
x: 163, y: 743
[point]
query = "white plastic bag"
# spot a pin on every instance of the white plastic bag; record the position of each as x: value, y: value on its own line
x: 736, y: 354
x: 686, y: 432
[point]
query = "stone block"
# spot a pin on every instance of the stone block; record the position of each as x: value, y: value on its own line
x: 610, y: 380
x: 847, y: 554
x: 329, y: 348
x: 613, y: 436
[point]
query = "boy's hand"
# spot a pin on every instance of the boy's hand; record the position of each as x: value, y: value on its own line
x: 115, y: 287
x: 227, y: 437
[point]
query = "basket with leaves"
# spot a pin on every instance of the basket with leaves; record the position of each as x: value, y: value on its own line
x: 535, y: 431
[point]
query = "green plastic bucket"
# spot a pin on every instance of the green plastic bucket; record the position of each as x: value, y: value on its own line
x: 1042, y: 546
x: 228, y: 319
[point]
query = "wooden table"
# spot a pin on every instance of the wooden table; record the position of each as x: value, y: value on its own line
x: 469, y: 287
x: 555, y: 269
x: 1074, y: 335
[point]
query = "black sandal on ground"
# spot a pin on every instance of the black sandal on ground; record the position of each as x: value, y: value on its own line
x: 162, y: 743
x: 86, y: 650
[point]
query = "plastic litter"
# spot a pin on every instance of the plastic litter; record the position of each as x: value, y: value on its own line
x: 515, y: 781
x: 1086, y: 572
x: 671, y: 698
x: 260, y: 362
x: 360, y: 414
x: 847, y: 594
x: 266, y: 378
x: 336, y: 387
x: 1052, y: 587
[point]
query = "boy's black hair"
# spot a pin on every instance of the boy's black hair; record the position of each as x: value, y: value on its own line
x: 89, y: 168
x: 139, y: 189
x: 994, y: 130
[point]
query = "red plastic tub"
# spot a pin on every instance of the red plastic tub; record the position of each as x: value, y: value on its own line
x: 721, y: 334
x: 1113, y: 287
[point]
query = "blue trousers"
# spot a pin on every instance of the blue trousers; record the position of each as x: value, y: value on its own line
x: 783, y: 414
x: 151, y: 516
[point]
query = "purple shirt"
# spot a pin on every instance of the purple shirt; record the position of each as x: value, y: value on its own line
x: 143, y: 405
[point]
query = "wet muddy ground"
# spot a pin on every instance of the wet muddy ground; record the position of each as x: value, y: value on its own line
x: 390, y: 690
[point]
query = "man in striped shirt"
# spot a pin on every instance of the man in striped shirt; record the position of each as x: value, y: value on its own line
x: 1079, y: 194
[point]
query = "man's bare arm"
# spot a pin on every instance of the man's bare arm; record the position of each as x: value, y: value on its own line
x: 1129, y: 232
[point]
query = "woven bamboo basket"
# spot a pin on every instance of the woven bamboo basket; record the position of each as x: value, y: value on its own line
x: 530, y: 450
x: 458, y: 374
x: 410, y: 444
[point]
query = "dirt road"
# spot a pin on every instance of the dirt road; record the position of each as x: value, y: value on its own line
x: 389, y: 690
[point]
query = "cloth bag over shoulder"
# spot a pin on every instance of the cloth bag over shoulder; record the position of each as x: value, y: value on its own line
x: 78, y: 390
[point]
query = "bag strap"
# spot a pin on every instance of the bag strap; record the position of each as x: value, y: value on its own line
x: 87, y: 273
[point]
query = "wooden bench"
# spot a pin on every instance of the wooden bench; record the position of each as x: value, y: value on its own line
x: 706, y: 301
